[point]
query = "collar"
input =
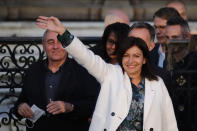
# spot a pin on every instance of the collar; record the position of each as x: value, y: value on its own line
x: 160, y: 51
x: 60, y: 68
x: 141, y: 84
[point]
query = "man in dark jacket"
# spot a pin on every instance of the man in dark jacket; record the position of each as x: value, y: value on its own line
x: 183, y: 65
x: 160, y: 17
x: 61, y: 88
x: 146, y: 32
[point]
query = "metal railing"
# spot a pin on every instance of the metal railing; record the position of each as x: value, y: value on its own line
x: 16, y: 55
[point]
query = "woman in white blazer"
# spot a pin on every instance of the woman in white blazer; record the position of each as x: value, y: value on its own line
x: 131, y: 96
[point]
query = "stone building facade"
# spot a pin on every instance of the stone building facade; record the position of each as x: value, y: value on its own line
x: 84, y: 10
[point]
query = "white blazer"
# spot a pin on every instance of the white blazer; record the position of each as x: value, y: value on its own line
x: 115, y: 95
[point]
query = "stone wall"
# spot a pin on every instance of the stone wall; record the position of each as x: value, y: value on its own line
x: 79, y: 10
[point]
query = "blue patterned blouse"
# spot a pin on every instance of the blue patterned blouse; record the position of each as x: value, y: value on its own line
x: 134, y: 119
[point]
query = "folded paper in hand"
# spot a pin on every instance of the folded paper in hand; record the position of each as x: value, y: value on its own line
x: 37, y: 113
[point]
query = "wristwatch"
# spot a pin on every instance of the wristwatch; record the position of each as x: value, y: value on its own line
x: 72, y: 107
x: 69, y: 107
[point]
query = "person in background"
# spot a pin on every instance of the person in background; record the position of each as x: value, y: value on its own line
x: 180, y: 6
x: 110, y: 41
x: 177, y: 30
x: 131, y: 96
x: 116, y: 15
x: 146, y: 32
x: 160, y: 18
x: 116, y: 28
x: 60, y: 87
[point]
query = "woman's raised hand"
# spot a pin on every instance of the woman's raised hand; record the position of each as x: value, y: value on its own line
x: 50, y: 23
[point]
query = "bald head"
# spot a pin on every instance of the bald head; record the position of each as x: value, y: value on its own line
x: 180, y: 7
x: 116, y: 15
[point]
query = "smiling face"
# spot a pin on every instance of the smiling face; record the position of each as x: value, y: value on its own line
x: 53, y: 48
x: 133, y: 61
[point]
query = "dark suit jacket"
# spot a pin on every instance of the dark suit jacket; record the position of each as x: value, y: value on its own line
x: 154, y: 56
x: 162, y: 72
x: 76, y: 86
x: 186, y: 97
x: 165, y: 75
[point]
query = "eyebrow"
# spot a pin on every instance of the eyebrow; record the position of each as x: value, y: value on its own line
x: 159, y: 26
x: 50, y: 40
x: 176, y: 36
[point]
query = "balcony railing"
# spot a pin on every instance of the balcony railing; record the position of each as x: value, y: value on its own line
x: 18, y: 53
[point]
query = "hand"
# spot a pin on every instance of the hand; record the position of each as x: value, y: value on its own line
x: 50, y: 23
x: 57, y: 107
x: 25, y: 110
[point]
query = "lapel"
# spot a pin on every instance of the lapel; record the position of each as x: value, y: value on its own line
x: 41, y: 80
x: 154, y: 55
x: 127, y: 86
x: 149, y: 96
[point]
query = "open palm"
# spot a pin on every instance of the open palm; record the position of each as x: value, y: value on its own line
x: 50, y: 23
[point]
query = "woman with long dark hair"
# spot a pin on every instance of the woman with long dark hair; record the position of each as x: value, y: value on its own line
x: 110, y: 41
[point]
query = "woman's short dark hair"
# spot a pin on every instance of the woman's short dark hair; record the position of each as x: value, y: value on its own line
x: 131, y: 42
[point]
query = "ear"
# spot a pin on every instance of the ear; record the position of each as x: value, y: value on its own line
x: 152, y: 45
x: 144, y: 61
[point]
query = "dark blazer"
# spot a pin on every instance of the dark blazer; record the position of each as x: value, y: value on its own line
x: 162, y: 72
x: 76, y: 86
x: 184, y: 99
x: 154, y: 56
x: 165, y: 75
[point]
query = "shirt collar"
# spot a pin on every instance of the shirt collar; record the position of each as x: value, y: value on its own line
x: 141, y: 84
x: 160, y: 51
x: 60, y: 68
